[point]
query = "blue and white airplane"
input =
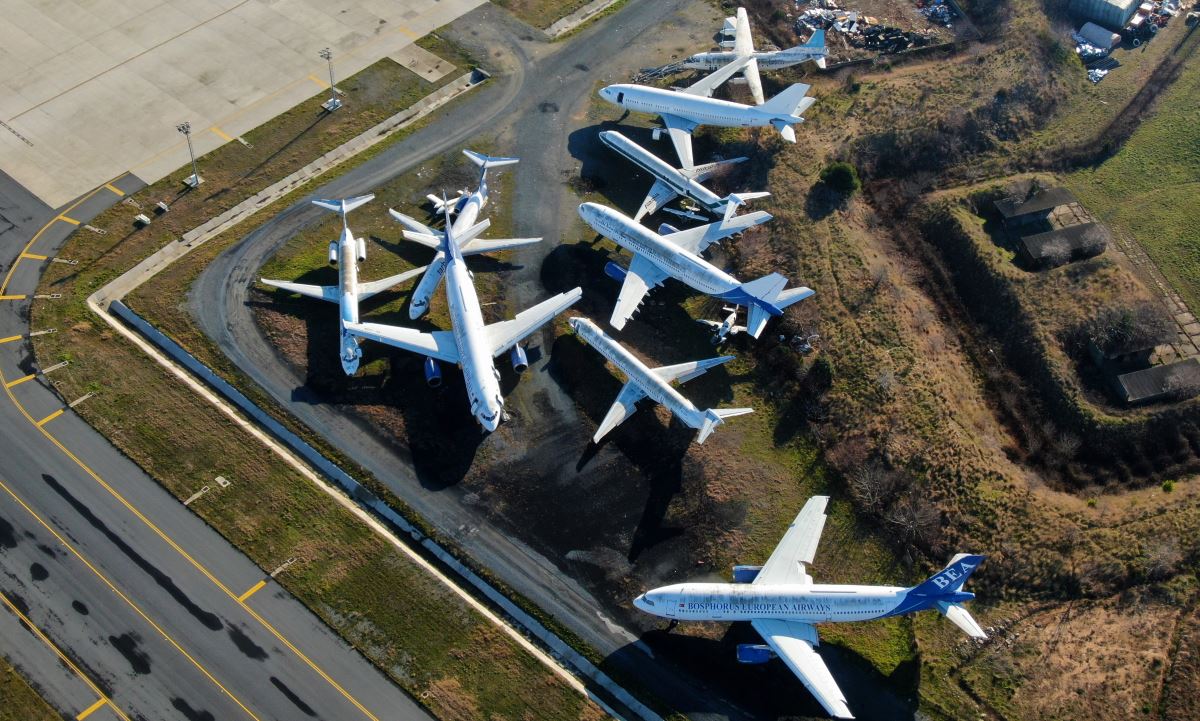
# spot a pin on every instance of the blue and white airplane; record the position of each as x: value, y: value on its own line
x: 676, y: 254
x: 466, y: 209
x: 782, y: 603
x: 471, y: 343
x: 685, y: 110
x: 743, y: 46
x: 346, y: 253
x: 655, y: 383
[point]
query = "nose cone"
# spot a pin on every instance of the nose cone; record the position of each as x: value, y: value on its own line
x: 609, y: 94
x: 417, y: 308
x: 351, y: 354
x: 589, y: 212
x: 640, y: 602
x: 489, y: 424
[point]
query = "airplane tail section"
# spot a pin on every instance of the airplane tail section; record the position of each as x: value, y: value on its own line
x: 950, y: 579
x: 487, y: 161
x: 733, y: 200
x: 789, y: 101
x: 714, y: 417
x: 960, y: 617
x: 344, y: 206
x: 766, y: 297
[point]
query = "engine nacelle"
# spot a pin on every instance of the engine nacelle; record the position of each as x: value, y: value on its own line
x: 433, y: 373
x: 754, y: 653
x: 614, y: 271
x: 520, y: 361
x: 362, y: 250
x: 656, y: 133
x: 333, y: 253
x: 667, y: 229
x: 745, y: 574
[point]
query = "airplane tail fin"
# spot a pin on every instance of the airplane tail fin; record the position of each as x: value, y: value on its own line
x: 789, y: 101
x: 733, y: 200
x: 766, y: 297
x: 951, y: 578
x: 714, y: 417
x: 816, y: 41
x: 487, y: 161
x: 344, y: 206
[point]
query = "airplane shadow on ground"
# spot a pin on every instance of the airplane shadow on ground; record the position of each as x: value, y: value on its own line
x: 770, y: 690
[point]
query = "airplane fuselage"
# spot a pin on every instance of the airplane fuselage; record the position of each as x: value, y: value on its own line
x: 679, y: 263
x: 698, y: 109
x: 767, y: 60
x: 638, y: 372
x: 814, y: 603
x: 672, y: 177
x: 467, y: 214
x: 474, y: 354
x: 347, y: 252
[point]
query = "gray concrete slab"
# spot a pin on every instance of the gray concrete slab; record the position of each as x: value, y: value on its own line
x: 96, y: 87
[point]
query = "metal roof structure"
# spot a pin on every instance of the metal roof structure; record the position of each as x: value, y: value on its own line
x: 1040, y: 202
x: 1112, y: 14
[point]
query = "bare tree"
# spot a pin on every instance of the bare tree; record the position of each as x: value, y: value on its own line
x: 1162, y: 561
x: 915, y: 522
x: 873, y: 486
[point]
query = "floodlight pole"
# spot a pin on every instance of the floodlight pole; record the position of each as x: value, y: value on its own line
x: 334, y: 101
x: 195, y: 179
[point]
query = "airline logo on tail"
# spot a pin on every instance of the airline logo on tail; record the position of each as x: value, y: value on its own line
x: 958, y: 572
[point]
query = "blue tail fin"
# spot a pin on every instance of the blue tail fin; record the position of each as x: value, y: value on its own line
x: 951, y: 578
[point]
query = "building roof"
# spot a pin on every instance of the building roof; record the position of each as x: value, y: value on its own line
x: 1072, y: 239
x: 1039, y: 202
x: 1152, y: 383
x: 1113, y: 14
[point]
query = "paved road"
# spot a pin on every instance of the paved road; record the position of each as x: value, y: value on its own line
x: 533, y: 74
x: 115, y: 601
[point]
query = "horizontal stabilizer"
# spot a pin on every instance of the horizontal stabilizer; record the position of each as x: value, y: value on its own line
x: 320, y: 292
x: 429, y: 240
x: 411, y: 223
x: 479, y: 245
x: 733, y: 200
x: 787, y: 132
x: 344, y: 206
x: 701, y: 173
x: 960, y: 617
x: 375, y: 287
x: 714, y: 417
x: 487, y: 161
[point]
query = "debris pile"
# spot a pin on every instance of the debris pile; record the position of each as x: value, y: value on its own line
x: 937, y: 11
x: 862, y: 31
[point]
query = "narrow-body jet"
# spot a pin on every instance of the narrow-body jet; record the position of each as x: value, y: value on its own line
x: 346, y: 253
x: 722, y: 329
x: 782, y: 603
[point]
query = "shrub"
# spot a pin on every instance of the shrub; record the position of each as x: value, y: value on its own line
x: 842, y: 177
x: 1168, y: 486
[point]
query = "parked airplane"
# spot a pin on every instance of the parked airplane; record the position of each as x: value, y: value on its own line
x: 466, y: 207
x: 670, y: 183
x: 471, y: 344
x: 743, y: 46
x: 684, y: 110
x: 722, y: 329
x: 676, y: 254
x: 346, y: 252
x: 644, y: 381
x: 782, y: 603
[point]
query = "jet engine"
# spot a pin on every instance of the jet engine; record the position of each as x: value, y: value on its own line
x: 520, y: 362
x: 667, y: 229
x: 745, y: 574
x: 333, y: 253
x: 433, y: 373
x: 362, y: 250
x: 754, y: 653
x: 614, y: 271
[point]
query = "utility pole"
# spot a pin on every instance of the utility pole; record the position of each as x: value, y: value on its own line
x: 195, y: 179
x: 334, y: 102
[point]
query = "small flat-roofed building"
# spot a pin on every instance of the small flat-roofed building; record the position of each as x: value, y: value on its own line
x: 1061, y: 245
x: 1112, y: 14
x: 1035, y: 208
x: 1174, y: 381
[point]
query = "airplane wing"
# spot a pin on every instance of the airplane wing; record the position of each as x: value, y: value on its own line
x: 479, y: 245
x: 697, y: 240
x: 684, y: 372
x: 320, y: 292
x: 432, y: 239
x: 374, y: 287
x: 622, y: 408
x: 799, y: 545
x: 507, y: 333
x: 754, y: 80
x: 639, y: 279
x: 411, y: 223
x: 793, y: 642
x: 701, y: 173
x: 706, y: 85
x: 743, y: 43
x: 439, y: 344
x: 680, y: 130
x: 660, y: 194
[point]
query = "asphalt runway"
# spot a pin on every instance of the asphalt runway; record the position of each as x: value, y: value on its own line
x: 115, y: 601
x: 534, y: 97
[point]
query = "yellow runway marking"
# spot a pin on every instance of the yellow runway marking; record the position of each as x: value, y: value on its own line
x: 221, y: 134
x: 65, y: 219
x: 33, y: 256
x: 91, y: 709
x: 48, y: 418
x: 10, y: 339
x: 120, y: 193
x: 19, y: 381
x: 66, y: 661
x: 126, y: 599
x: 253, y: 590
x: 12, y: 297
x: 320, y: 83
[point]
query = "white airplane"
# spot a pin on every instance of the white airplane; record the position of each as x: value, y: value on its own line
x: 743, y: 46
x: 722, y: 329
x: 782, y: 603
x: 684, y: 110
x: 676, y: 254
x: 346, y: 252
x: 644, y: 381
x: 670, y: 183
x: 471, y: 344
x: 466, y: 207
